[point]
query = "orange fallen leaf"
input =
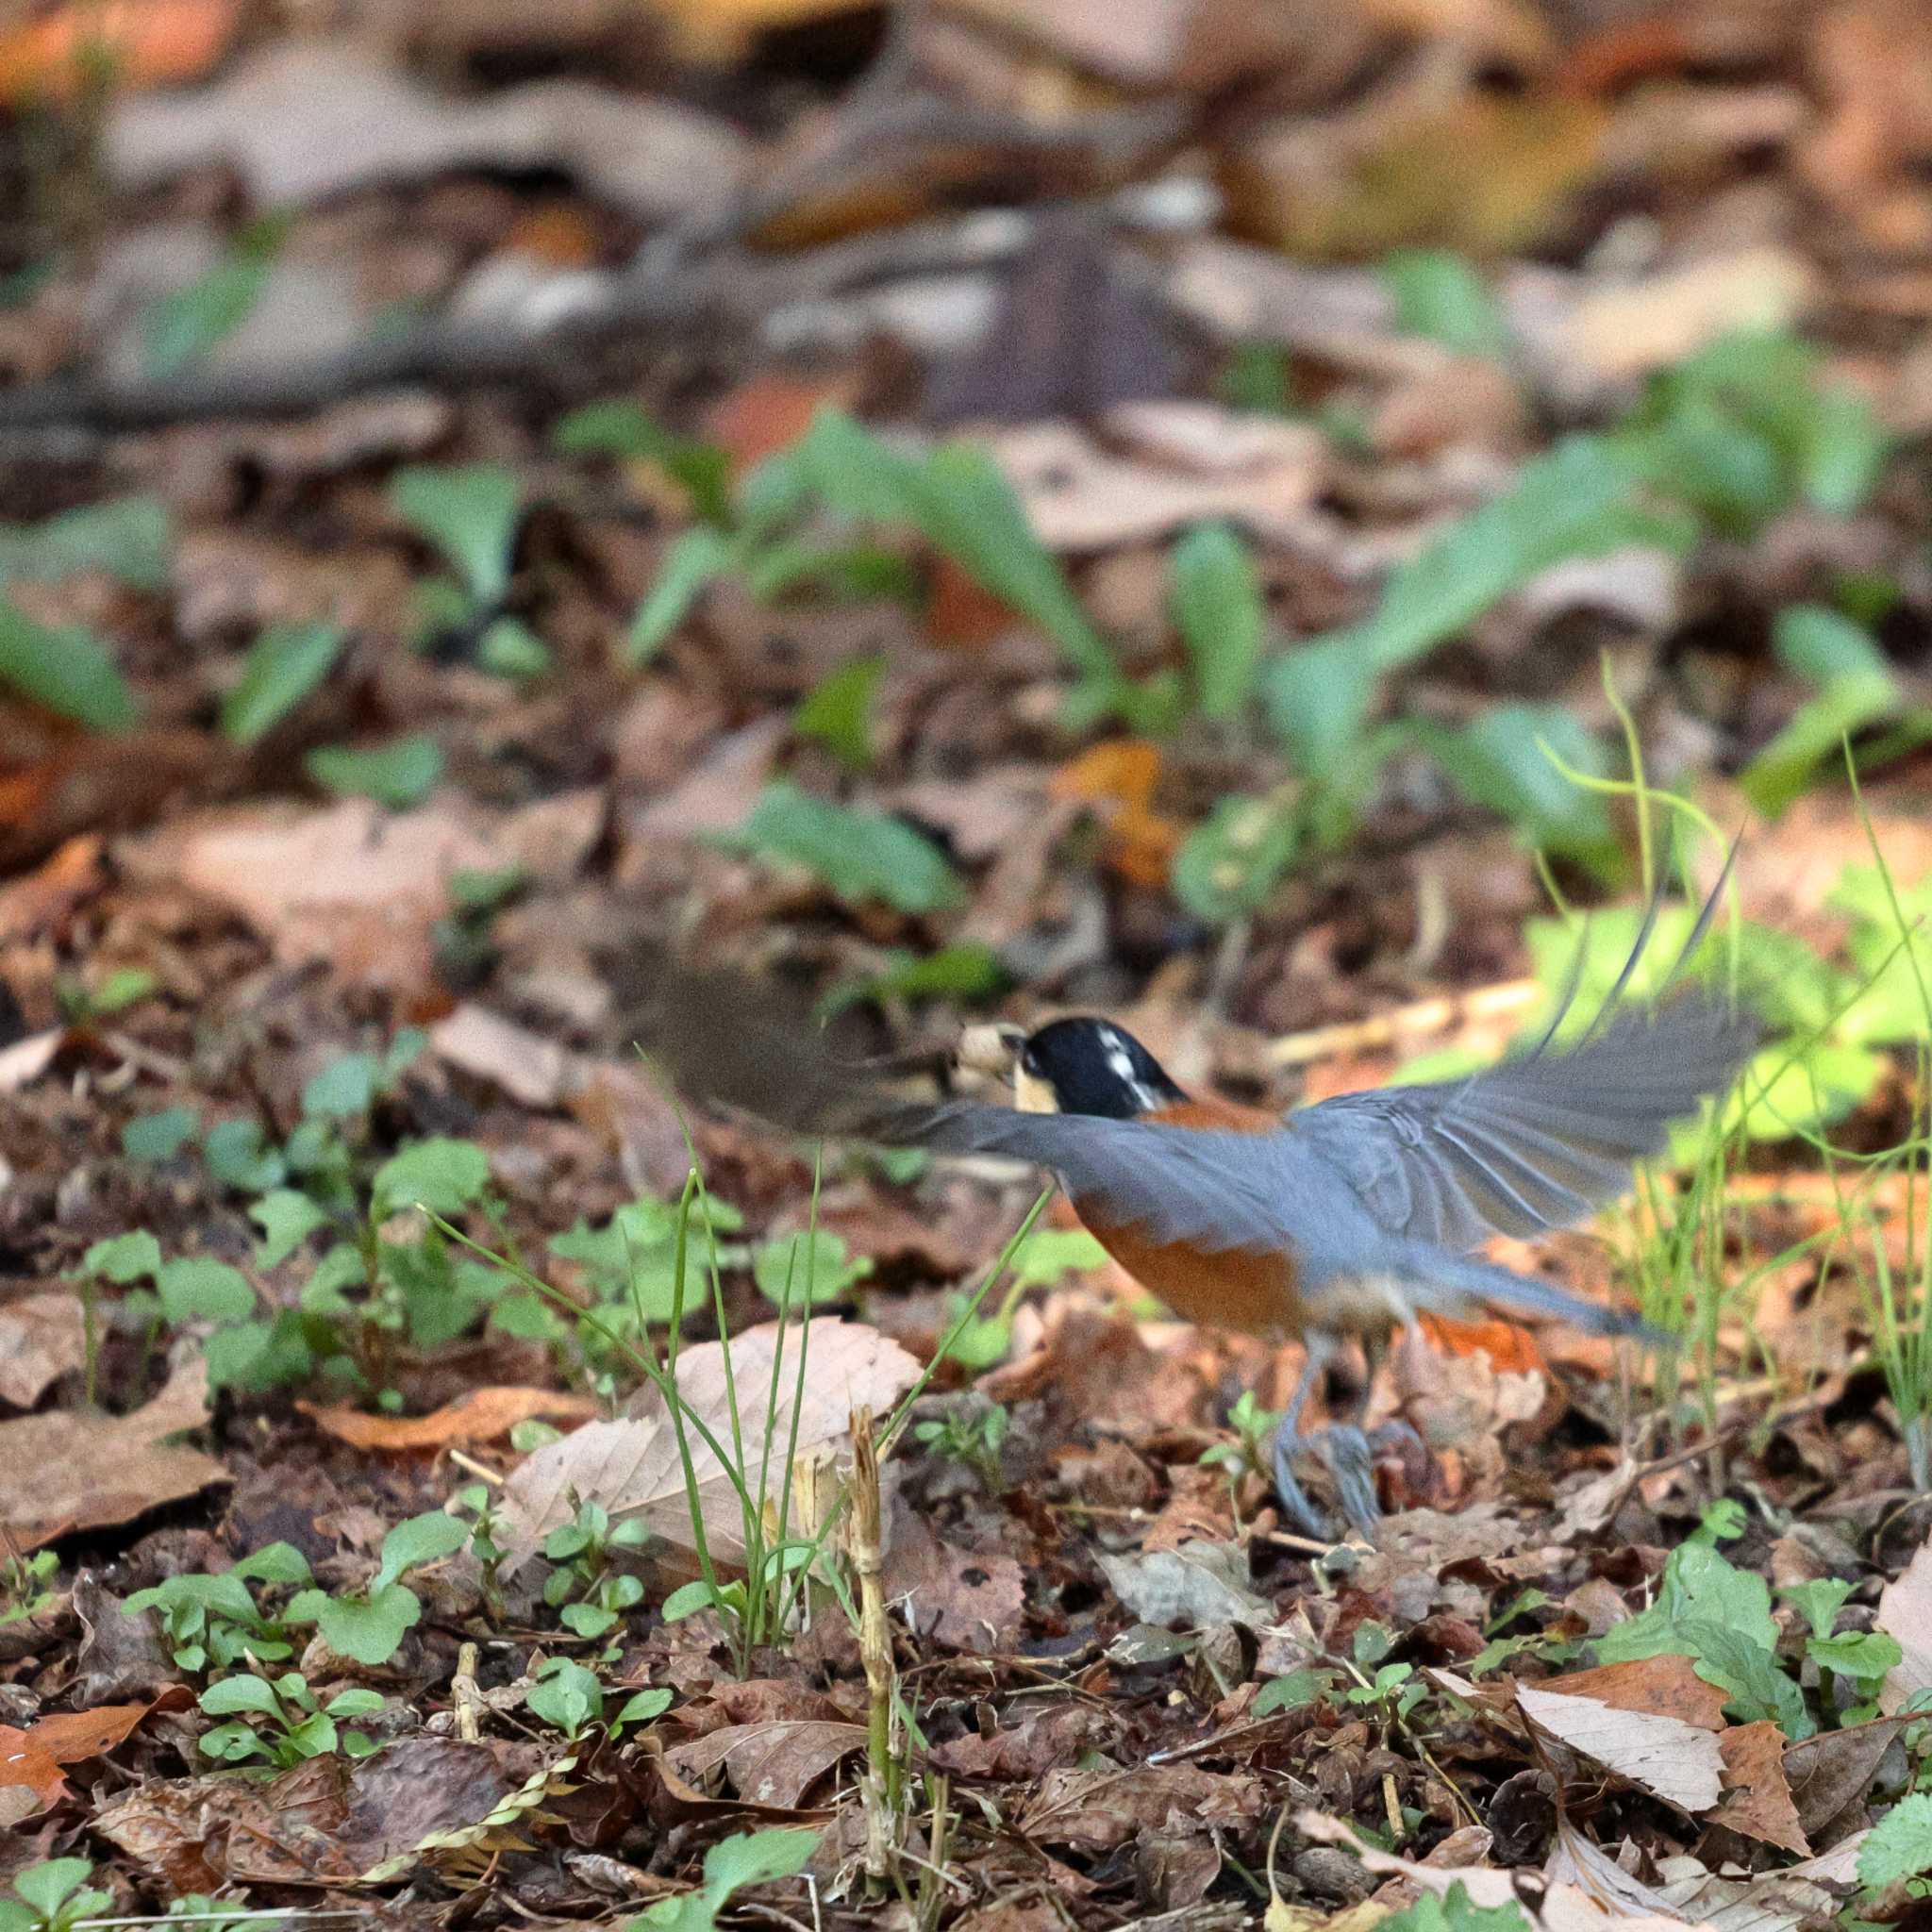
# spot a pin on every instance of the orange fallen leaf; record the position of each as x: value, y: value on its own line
x: 72, y: 1736
x: 767, y: 414
x: 138, y: 42
x: 23, y: 1762
x: 1122, y: 774
x: 1509, y: 1347
x: 480, y: 1416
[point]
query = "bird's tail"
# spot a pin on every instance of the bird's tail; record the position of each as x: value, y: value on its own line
x: 1446, y: 1284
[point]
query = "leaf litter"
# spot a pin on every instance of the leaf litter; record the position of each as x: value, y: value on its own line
x: 1229, y: 712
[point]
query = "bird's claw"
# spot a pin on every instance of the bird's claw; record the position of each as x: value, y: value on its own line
x: 1349, y: 1456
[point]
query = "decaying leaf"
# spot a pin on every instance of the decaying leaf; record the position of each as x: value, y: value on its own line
x: 632, y: 1467
x: 1905, y: 1611
x: 64, y: 1471
x: 1197, y: 1585
x: 772, y: 1763
x: 1672, y: 1761
x: 481, y: 1415
x: 42, y: 1337
x: 1758, y: 1800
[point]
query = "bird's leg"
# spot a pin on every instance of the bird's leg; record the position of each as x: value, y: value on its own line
x: 1346, y: 1451
x: 1289, y: 1442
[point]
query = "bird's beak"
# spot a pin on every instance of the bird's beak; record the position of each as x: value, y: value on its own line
x: 988, y: 1051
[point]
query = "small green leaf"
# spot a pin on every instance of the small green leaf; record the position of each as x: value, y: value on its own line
x: 470, y: 513
x: 755, y: 1859
x: 425, y: 1538
x: 152, y: 1138
x: 49, y: 1884
x: 1440, y: 297
x: 287, y: 662
x: 691, y: 567
x: 1583, y: 499
x: 443, y: 1175
x: 1319, y: 696
x: 1228, y: 866
x: 400, y: 774
x: 368, y: 1629
x: 197, y: 1289
x: 567, y: 1695
x: 287, y: 1219
x: 238, y: 1158
x: 1854, y: 686
x: 620, y: 428
x: 273, y: 1563
x: 1049, y: 1255
x: 860, y: 855
x: 344, y: 1089
x: 968, y: 971
x: 129, y: 539
x: 509, y: 648
x: 1899, y: 1846
x: 64, y: 667
x: 354, y: 1702
x: 1292, y: 1692
x: 1223, y: 619
x: 185, y: 323
x: 246, y: 1692
x: 643, y: 1707
x: 124, y: 1258
x: 1499, y: 761
x: 1819, y: 1601
x: 785, y: 1269
x: 687, y: 1600
x: 838, y: 714
x: 1868, y: 1656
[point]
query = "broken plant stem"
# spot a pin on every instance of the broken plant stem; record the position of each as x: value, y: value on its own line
x: 880, y: 1789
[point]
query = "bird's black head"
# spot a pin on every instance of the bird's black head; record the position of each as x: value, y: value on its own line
x: 1092, y: 1067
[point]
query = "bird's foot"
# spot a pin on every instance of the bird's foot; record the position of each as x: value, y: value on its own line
x: 1349, y: 1456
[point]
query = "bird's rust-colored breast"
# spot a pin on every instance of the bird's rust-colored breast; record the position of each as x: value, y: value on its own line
x: 1255, y: 1293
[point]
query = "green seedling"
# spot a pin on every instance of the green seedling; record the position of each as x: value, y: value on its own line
x: 972, y: 1431
x: 569, y: 1697
x: 213, y: 1623
x: 52, y: 1896
x: 370, y: 1624
x: 280, y: 1721
x: 586, y: 1591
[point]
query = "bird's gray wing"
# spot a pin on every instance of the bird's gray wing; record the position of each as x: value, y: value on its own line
x: 1218, y: 1191
x: 1535, y: 1144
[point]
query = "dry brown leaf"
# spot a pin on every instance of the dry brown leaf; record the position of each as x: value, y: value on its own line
x: 772, y: 1763
x: 1758, y: 1800
x: 1567, y: 1905
x: 1833, y: 1770
x: 632, y: 1466
x: 1101, y: 1809
x: 63, y: 1471
x: 41, y: 1337
x: 306, y: 119
x: 531, y: 1067
x: 1664, y: 1686
x: 1904, y: 1612
x: 1635, y: 328
x: 32, y: 906
x: 26, y: 1060
x: 480, y: 1416
x: 351, y: 885
x: 25, y: 1767
x: 1672, y: 1761
x: 1081, y: 496
x: 1197, y: 1586
x: 963, y: 1599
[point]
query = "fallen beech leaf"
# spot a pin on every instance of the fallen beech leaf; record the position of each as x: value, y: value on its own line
x: 72, y: 1736
x: 1101, y: 1809
x: 1121, y: 774
x: 1665, y: 1686
x: 26, y: 1060
x: 532, y: 1068
x: 1672, y: 1761
x: 25, y: 1766
x: 480, y: 1416
x: 351, y: 885
x: 1197, y: 1585
x: 1758, y: 1801
x: 1081, y: 497
x: 63, y: 1471
x: 1828, y: 1774
x: 774, y: 1762
x: 32, y: 906
x: 1510, y: 1347
x: 42, y: 1338
x: 143, y: 42
x: 632, y: 1467
x: 304, y: 119
x: 1905, y: 1611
